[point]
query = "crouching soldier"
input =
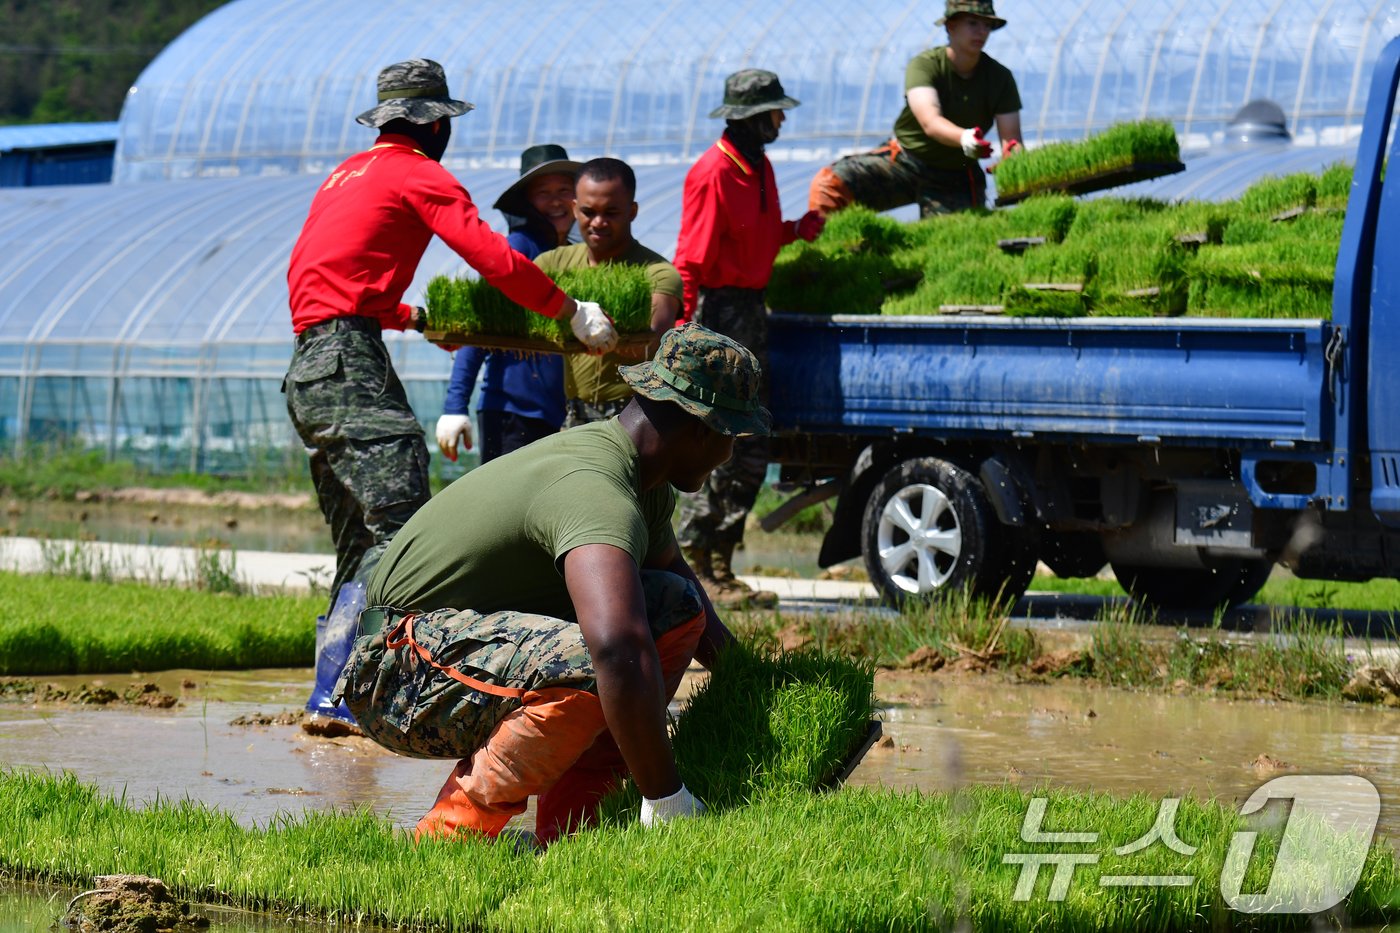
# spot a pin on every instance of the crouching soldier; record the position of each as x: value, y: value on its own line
x: 535, y: 618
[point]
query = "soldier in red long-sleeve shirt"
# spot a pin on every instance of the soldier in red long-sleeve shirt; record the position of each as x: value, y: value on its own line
x: 731, y: 230
x: 367, y: 230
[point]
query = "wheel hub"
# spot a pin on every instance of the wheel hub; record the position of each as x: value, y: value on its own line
x: 919, y: 539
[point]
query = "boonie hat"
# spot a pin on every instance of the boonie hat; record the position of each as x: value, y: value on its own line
x: 709, y: 375
x: 547, y: 159
x: 752, y: 91
x: 982, y: 8
x: 415, y: 90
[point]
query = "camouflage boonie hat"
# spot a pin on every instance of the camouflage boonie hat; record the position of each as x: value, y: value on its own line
x: 710, y: 376
x: 415, y: 90
x: 979, y: 8
x: 752, y: 91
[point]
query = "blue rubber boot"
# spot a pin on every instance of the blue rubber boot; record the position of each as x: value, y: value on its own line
x: 335, y: 636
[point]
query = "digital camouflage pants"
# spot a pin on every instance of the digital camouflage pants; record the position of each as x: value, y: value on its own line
x: 888, y: 177
x: 415, y: 709
x: 369, y: 463
x: 713, y: 518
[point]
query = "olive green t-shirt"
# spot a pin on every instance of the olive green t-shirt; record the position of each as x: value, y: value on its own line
x: 496, y: 538
x: 595, y: 378
x: 972, y: 101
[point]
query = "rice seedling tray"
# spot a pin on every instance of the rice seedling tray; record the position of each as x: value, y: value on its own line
x: 627, y: 344
x: 1098, y: 181
x: 842, y: 774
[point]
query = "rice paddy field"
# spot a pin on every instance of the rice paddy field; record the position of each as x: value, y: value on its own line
x: 1271, y: 253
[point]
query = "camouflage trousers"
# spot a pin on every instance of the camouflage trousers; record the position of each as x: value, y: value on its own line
x: 415, y: 709
x: 580, y: 412
x: 713, y: 518
x: 369, y: 463
x: 889, y: 177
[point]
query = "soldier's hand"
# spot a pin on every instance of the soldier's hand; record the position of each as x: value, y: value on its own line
x: 973, y: 145
x: 450, y: 430
x: 593, y: 328
x: 811, y: 225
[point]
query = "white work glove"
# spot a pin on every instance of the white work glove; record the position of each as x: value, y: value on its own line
x: 679, y: 805
x: 451, y: 429
x: 592, y: 327
x: 973, y: 145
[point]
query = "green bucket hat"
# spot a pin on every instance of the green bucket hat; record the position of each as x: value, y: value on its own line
x: 547, y: 159
x: 708, y: 375
x: 979, y: 8
x: 752, y: 91
x: 415, y: 90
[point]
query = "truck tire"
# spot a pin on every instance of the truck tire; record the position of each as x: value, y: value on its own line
x: 929, y: 530
x: 1225, y: 585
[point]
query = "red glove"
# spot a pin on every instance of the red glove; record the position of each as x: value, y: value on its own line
x: 1008, y: 149
x: 973, y: 145
x: 811, y: 225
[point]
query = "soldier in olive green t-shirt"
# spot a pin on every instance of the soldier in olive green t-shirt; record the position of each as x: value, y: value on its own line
x: 605, y: 204
x: 953, y: 95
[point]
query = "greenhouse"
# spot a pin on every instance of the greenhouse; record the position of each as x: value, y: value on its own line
x: 150, y: 316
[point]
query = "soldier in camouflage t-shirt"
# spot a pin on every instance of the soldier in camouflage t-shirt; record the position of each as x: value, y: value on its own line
x: 953, y: 95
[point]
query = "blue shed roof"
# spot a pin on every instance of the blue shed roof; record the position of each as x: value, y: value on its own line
x: 56, y: 135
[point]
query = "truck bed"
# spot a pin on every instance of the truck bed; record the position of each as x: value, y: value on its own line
x: 1132, y: 380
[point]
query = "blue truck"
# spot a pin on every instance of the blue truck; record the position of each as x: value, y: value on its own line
x: 1189, y: 454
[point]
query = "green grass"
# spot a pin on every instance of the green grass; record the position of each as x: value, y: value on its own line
x: 1381, y: 595
x: 764, y: 727
x: 66, y: 626
x: 62, y: 470
x: 856, y: 860
x: 1058, y: 164
x: 474, y: 307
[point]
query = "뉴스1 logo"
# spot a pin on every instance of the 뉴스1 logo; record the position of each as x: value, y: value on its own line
x: 1321, y: 853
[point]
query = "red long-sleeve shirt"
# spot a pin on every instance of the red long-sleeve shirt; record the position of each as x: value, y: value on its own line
x: 728, y: 239
x: 369, y: 226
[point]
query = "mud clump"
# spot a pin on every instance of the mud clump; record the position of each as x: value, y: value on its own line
x: 1372, y: 684
x: 141, y: 694
x: 130, y: 904
x: 285, y: 718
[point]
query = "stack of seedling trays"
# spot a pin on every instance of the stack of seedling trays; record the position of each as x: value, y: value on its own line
x: 470, y: 312
x: 1272, y: 253
x: 1123, y: 154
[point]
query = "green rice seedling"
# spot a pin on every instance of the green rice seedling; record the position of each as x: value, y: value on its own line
x: 472, y: 306
x: 856, y: 860
x: 861, y: 230
x: 808, y: 279
x: 766, y: 726
x: 1060, y: 164
x: 1278, y: 278
x: 969, y: 278
x: 80, y: 627
x: 1272, y: 196
x: 1334, y: 187
x: 1047, y: 215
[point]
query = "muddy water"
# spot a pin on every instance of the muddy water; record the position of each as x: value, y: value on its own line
x: 298, y: 530
x: 295, y: 530
x: 981, y: 732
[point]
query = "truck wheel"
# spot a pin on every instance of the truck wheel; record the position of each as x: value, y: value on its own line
x: 1227, y: 584
x: 929, y: 529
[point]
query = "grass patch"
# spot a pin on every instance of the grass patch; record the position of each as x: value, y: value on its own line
x: 764, y: 727
x: 1120, y: 146
x: 62, y: 470
x: 70, y: 626
x: 855, y: 860
x: 472, y: 306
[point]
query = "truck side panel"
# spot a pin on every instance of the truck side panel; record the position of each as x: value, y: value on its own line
x: 1187, y: 381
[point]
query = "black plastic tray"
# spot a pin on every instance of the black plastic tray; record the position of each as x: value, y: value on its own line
x: 1140, y: 171
x: 872, y: 735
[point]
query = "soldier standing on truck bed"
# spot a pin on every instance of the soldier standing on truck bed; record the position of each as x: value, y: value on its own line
x: 731, y: 230
x: 953, y: 93
x: 366, y: 232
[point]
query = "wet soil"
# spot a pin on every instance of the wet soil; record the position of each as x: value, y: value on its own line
x: 130, y: 904
x: 142, y: 694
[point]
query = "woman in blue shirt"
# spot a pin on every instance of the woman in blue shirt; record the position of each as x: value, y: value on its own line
x: 522, y: 394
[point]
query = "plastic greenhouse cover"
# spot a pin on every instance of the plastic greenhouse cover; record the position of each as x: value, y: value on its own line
x: 271, y: 87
